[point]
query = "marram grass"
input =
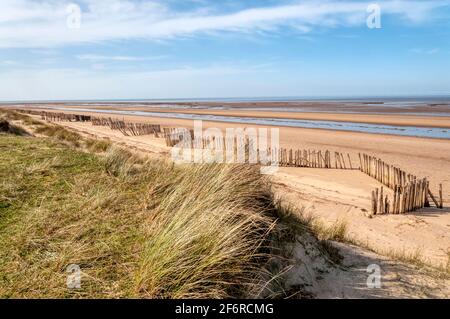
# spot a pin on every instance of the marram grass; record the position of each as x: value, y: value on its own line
x: 137, y: 227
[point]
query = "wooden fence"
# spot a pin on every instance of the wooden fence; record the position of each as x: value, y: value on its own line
x: 58, y: 117
x: 283, y: 156
x: 386, y: 174
x: 127, y: 128
x: 410, y: 192
x: 406, y: 199
x: 313, y: 159
x: 173, y: 136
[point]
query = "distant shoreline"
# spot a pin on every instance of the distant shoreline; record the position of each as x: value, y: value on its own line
x: 375, y: 99
x: 399, y: 125
x: 432, y: 108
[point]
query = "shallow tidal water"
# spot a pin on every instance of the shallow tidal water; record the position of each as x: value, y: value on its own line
x: 429, y: 132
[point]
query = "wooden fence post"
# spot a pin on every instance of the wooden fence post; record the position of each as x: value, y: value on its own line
x: 349, y: 161
x: 381, y: 204
x: 374, y: 203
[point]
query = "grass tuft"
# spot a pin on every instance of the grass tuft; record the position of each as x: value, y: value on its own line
x: 120, y: 162
x: 97, y: 146
x: 60, y: 134
x: 7, y: 127
x: 204, y: 237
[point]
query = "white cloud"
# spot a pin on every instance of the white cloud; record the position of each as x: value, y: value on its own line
x: 28, y: 23
x: 9, y: 63
x: 425, y: 51
x: 433, y: 51
x: 123, y: 58
x: 45, y: 52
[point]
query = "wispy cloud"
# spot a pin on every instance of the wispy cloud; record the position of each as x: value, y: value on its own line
x: 28, y: 23
x: 45, y: 52
x: 124, y: 58
x: 433, y: 51
x: 9, y: 63
x: 425, y: 51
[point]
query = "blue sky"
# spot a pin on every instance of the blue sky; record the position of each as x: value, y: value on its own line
x: 130, y: 49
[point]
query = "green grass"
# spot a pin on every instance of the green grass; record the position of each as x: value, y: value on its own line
x: 137, y: 227
x: 59, y: 133
x: 97, y: 146
x: 58, y: 206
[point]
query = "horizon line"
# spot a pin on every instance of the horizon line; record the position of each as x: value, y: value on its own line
x: 240, y: 98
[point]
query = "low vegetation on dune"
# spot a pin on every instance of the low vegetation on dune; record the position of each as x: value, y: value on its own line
x: 137, y: 227
x: 7, y: 127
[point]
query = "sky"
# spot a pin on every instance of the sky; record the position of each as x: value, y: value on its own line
x: 159, y: 49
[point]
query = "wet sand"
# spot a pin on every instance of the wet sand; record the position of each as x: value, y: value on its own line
x: 397, y: 117
x: 377, y: 106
